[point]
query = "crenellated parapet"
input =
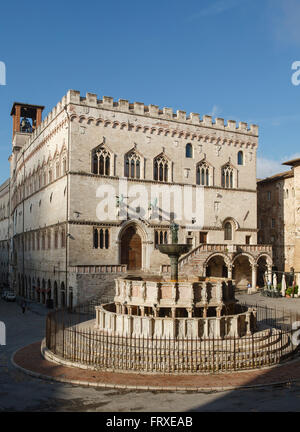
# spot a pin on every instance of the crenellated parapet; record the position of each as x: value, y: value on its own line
x: 245, y: 135
x: 137, y: 108
x: 58, y: 109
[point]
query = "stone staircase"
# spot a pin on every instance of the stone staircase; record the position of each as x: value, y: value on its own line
x: 194, y: 260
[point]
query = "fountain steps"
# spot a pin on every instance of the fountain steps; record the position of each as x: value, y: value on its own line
x: 278, y: 344
x: 200, y: 361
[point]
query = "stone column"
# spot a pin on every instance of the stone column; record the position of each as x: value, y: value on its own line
x: 174, y: 267
x: 142, y: 310
x: 173, y: 312
x: 155, y: 312
x: 205, y: 312
x: 235, y: 326
x: 130, y: 325
x: 269, y: 273
x: 229, y: 270
x: 102, y: 320
x: 219, y: 311
x: 117, y: 287
x: 248, y: 323
x: 97, y: 317
x: 218, y: 328
x: 113, y: 322
x: 205, y: 324
x: 190, y: 312
x: 174, y: 292
x: 151, y: 327
x: 254, y: 276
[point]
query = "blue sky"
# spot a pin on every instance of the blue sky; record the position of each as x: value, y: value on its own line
x: 228, y: 58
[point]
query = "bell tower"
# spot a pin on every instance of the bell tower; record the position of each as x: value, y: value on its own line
x: 26, y: 118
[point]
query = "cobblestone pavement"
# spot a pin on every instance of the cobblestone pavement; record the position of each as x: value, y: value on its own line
x: 292, y: 304
x: 19, y: 392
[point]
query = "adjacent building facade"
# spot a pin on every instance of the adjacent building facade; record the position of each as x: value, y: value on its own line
x: 94, y: 187
x: 279, y: 216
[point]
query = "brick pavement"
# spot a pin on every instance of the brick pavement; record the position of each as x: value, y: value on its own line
x: 30, y: 359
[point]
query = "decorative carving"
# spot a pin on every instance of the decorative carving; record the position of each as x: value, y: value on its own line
x: 143, y: 290
x: 128, y: 289
x: 218, y: 149
x: 219, y: 292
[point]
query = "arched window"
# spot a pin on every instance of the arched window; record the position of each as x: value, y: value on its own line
x: 156, y: 238
x: 133, y: 165
x: 160, y: 237
x: 202, y: 174
x: 106, y: 239
x: 165, y: 237
x: 161, y: 168
x: 63, y: 238
x: 64, y: 166
x: 101, y: 160
x: 101, y: 238
x: 38, y: 240
x: 56, y: 239
x: 228, y: 231
x: 43, y: 241
x: 45, y: 178
x: 227, y: 176
x: 49, y: 239
x: 189, y: 151
x: 95, y: 238
x: 240, y: 158
x: 57, y: 170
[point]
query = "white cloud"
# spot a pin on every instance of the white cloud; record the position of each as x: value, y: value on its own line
x: 285, y: 16
x: 217, y: 7
x: 216, y: 110
x: 269, y: 167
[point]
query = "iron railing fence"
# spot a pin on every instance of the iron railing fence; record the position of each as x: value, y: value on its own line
x: 71, y: 336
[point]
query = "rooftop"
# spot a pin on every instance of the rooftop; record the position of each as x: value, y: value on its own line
x: 293, y: 162
x: 283, y: 175
x: 28, y: 107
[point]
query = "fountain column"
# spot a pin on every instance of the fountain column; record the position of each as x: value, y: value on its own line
x: 174, y: 251
x: 254, y: 276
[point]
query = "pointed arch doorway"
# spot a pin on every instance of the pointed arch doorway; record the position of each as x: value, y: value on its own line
x: 131, y: 249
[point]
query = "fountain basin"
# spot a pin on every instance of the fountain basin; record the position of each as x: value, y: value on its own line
x: 174, y: 249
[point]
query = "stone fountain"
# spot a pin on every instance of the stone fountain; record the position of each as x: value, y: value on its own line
x: 155, y: 322
x: 174, y: 251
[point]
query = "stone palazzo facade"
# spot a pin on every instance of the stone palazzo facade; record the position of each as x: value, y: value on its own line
x: 94, y: 187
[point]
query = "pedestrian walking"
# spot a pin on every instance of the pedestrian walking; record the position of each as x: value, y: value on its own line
x: 23, y: 306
